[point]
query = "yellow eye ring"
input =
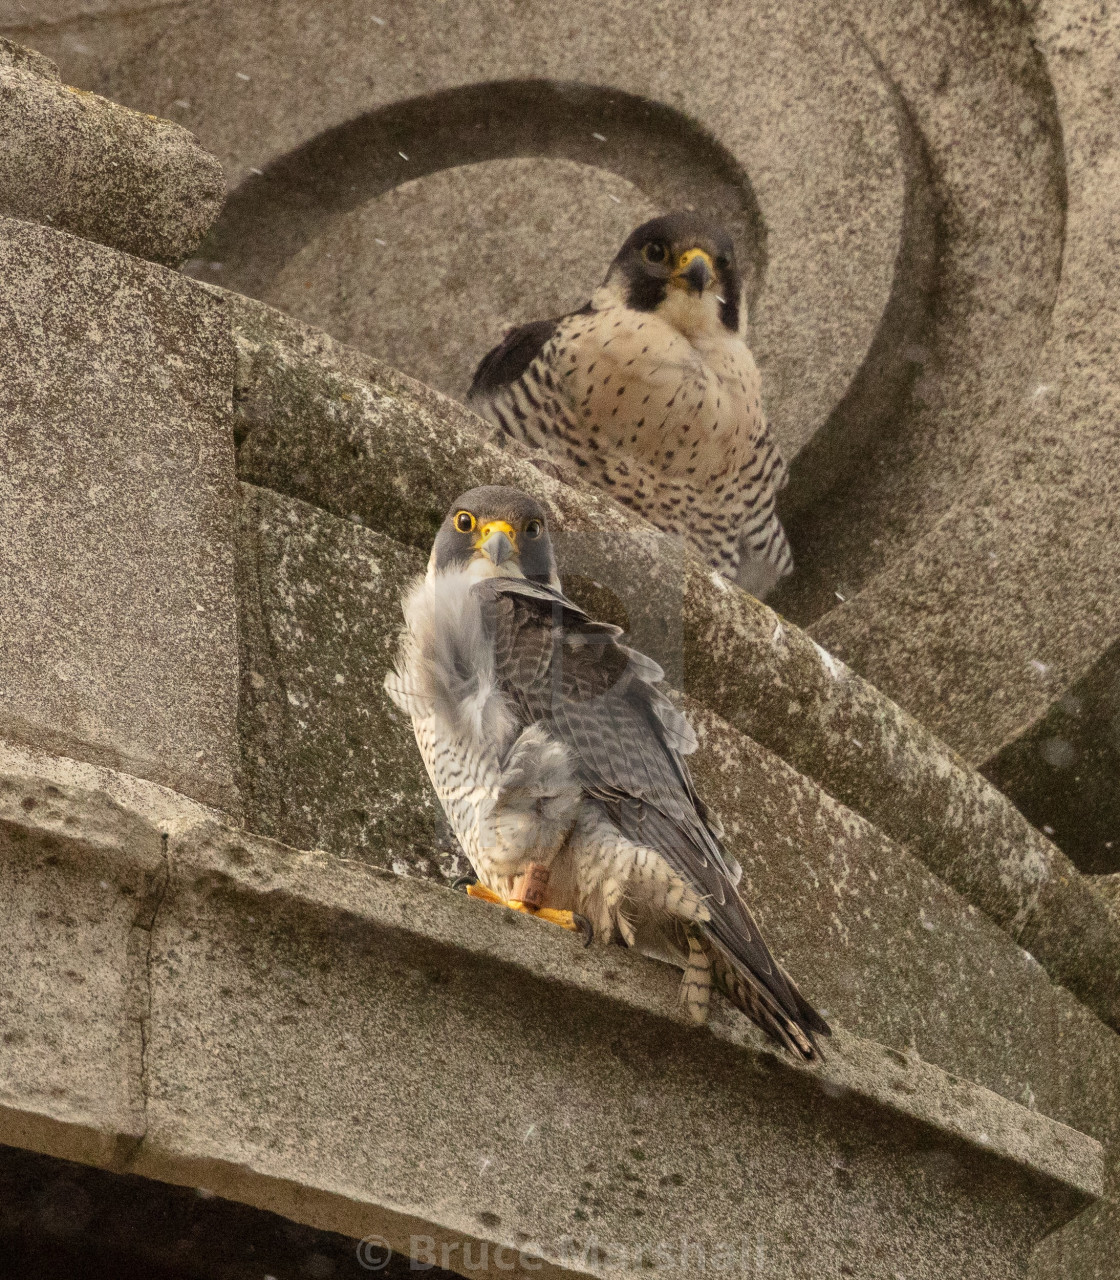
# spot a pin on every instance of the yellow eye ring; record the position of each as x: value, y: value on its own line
x: 534, y: 529
x: 464, y: 522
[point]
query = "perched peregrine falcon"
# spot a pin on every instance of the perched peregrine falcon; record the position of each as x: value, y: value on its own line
x: 561, y: 765
x: 651, y: 391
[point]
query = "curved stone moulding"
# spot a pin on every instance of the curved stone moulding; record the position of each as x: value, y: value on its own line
x: 794, y: 134
x: 271, y: 216
x: 945, y: 571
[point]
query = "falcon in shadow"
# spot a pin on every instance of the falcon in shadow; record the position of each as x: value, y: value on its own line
x: 651, y: 393
x: 561, y: 766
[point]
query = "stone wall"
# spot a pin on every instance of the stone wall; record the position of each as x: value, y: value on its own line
x: 117, y: 509
x: 224, y: 963
x: 922, y: 193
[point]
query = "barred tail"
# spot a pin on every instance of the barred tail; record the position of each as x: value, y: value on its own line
x: 796, y: 1030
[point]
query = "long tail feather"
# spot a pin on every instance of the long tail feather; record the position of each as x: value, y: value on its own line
x: 795, y: 1032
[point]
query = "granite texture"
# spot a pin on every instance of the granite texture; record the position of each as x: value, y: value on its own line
x: 25, y: 16
x: 72, y: 951
x: 94, y: 168
x: 326, y: 760
x: 797, y: 136
x: 16, y: 56
x: 1109, y: 889
x: 980, y: 101
x: 117, y: 514
x: 334, y: 428
x: 312, y: 1035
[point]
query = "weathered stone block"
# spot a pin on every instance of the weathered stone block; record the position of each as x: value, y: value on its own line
x: 95, y: 168
x: 118, y: 639
x: 327, y: 761
x: 336, y: 428
x: 491, y: 1105
x: 73, y: 953
x: 376, y: 1055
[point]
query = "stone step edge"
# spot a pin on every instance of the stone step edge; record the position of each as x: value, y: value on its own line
x: 128, y: 818
x: 801, y: 703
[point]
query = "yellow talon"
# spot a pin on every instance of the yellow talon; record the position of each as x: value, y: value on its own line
x: 565, y: 919
x: 480, y: 891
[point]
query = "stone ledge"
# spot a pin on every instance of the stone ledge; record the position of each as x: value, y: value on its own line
x: 356, y: 1050
x: 898, y: 1082
x: 338, y: 429
x: 15, y: 55
x: 89, y: 166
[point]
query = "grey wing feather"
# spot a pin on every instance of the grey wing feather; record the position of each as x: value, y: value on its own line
x: 628, y: 744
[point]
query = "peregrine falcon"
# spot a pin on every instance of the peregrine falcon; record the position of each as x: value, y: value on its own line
x: 561, y: 765
x: 651, y: 392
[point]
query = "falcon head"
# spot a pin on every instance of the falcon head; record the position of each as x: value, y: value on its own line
x: 682, y: 267
x: 496, y: 531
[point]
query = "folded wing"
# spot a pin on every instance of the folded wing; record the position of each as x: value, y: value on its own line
x: 628, y: 744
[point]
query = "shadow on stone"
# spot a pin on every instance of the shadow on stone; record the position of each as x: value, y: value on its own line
x: 1063, y: 773
x: 269, y: 218
x: 64, y: 1220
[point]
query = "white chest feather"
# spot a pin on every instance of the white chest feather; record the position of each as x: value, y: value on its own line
x: 507, y: 788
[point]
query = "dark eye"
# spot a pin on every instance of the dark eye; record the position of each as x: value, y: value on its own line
x: 464, y: 521
x: 654, y: 253
x: 723, y: 262
x: 533, y: 529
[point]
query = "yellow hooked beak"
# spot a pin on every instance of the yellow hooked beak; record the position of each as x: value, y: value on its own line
x: 497, y: 541
x: 695, y: 271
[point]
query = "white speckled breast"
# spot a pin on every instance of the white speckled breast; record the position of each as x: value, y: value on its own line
x: 673, y: 428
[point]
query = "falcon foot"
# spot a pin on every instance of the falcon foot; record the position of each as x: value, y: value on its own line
x: 465, y: 881
x: 570, y: 920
